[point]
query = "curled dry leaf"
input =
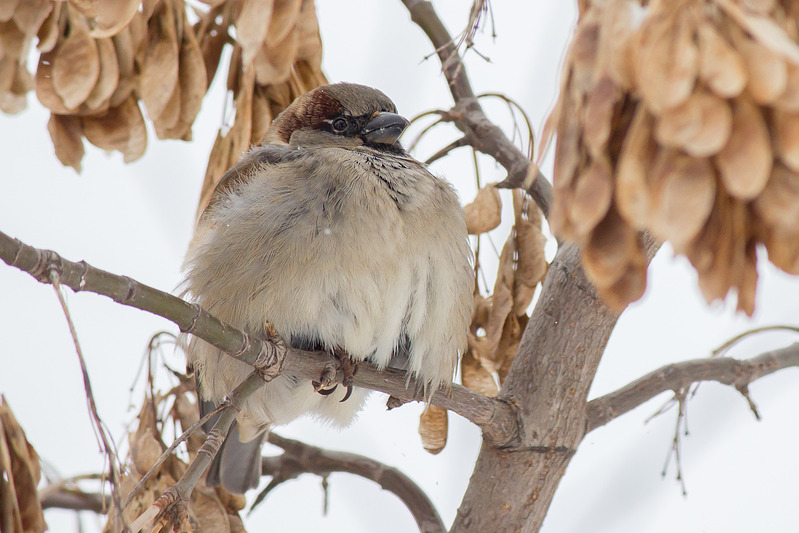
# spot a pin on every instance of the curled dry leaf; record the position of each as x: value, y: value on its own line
x: 433, y: 428
x: 67, y: 136
x: 682, y: 196
x: 700, y: 126
x: 484, y: 213
x: 20, y: 472
x: 745, y: 162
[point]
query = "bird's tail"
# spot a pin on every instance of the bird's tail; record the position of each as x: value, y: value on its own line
x: 237, y: 466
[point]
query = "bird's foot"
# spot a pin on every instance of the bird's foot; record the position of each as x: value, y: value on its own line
x: 327, y: 381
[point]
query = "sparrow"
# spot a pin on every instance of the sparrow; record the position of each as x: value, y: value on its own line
x: 332, y: 233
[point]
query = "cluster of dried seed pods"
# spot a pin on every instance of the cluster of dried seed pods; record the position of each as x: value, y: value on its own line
x: 499, y: 319
x: 101, y: 58
x: 680, y: 118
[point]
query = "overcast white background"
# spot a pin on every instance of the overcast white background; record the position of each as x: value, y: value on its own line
x: 741, y: 475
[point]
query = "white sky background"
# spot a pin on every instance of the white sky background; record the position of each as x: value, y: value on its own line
x: 136, y: 220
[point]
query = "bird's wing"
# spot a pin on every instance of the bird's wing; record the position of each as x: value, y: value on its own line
x: 256, y: 158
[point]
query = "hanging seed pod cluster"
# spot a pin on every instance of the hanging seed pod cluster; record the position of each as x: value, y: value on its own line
x: 100, y: 59
x: 680, y: 118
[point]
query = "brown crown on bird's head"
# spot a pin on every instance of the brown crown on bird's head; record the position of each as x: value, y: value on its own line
x: 355, y: 106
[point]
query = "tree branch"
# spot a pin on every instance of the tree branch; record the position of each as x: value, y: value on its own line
x: 469, y: 117
x: 678, y: 376
x: 300, y: 458
x: 269, y: 357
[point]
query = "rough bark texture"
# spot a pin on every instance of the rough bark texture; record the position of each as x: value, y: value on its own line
x: 511, y: 488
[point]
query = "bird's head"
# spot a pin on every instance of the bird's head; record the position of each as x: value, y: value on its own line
x: 342, y: 114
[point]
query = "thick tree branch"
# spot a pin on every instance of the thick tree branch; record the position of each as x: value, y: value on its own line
x: 76, y: 501
x: 678, y: 376
x: 469, y: 117
x: 495, y: 417
x: 300, y: 458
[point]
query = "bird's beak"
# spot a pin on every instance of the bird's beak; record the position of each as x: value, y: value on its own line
x: 385, y: 128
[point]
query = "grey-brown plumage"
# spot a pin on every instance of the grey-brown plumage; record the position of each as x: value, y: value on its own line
x: 332, y: 233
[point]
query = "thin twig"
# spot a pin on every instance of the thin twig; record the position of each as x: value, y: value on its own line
x: 99, y: 426
x: 678, y: 376
x: 495, y: 417
x: 300, y: 458
x: 469, y: 116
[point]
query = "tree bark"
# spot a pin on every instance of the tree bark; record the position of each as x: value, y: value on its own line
x: 511, y: 488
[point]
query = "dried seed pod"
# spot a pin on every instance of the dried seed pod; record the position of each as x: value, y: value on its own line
x: 778, y: 206
x: 668, y: 59
x: 433, y: 428
x: 67, y: 136
x: 700, y: 126
x: 484, y: 213
x: 767, y: 71
x: 593, y: 191
x: 633, y: 197
x: 76, y: 64
x: 786, y: 136
x: 745, y: 162
x: 721, y: 68
x: 682, y: 196
x: 612, y: 247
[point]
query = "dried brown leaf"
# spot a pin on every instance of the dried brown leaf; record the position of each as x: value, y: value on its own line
x: 789, y: 99
x: 43, y: 85
x: 76, y: 65
x: 745, y: 162
x: 786, y: 137
x: 763, y: 29
x: 20, y: 473
x: 611, y: 248
x: 630, y: 287
x: 682, y: 196
x: 159, y: 70
x: 633, y: 196
x: 668, y: 59
x: 13, y: 41
x: 273, y: 62
x: 700, y: 126
x: 30, y: 14
x: 108, y: 77
x: 778, y: 205
x: 599, y: 115
x: 619, y: 42
x: 484, y: 213
x: 284, y: 20
x: 261, y: 116
x: 593, y: 192
x: 783, y: 249
x: 67, y: 137
x: 721, y: 68
x: 474, y: 376
x: 433, y: 428
x: 7, y: 9
x: 252, y: 25
x: 50, y: 29
x: 120, y: 128
x: 767, y: 71
x: 110, y: 16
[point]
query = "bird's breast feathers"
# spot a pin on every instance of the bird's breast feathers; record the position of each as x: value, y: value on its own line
x: 346, y: 248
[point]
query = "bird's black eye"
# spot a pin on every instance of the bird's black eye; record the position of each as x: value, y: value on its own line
x: 340, y: 125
